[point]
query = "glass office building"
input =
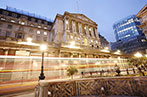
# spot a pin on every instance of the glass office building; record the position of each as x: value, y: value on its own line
x: 129, y: 37
x: 127, y: 28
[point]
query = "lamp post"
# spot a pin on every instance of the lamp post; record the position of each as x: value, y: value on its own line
x: 43, y: 48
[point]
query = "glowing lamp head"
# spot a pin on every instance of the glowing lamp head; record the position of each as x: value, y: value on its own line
x: 138, y: 55
x: 29, y: 39
x: 43, y: 47
x: 72, y: 43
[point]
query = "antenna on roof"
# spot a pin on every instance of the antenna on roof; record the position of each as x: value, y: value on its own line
x: 77, y: 6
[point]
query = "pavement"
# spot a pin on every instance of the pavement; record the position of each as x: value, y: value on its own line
x: 21, y: 94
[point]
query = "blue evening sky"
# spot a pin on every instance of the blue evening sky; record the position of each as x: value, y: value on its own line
x: 103, y: 12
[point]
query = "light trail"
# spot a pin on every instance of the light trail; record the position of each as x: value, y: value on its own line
x: 59, y: 58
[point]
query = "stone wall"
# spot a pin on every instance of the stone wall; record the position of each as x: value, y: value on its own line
x: 124, y: 86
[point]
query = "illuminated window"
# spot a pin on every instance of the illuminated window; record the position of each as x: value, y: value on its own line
x: 67, y: 24
x: 38, y: 32
x: 32, y: 25
x: 71, y: 37
x: 21, y: 22
x: 39, y: 26
x: 45, y: 27
x: 45, y: 33
x: 3, y: 18
x: 12, y: 21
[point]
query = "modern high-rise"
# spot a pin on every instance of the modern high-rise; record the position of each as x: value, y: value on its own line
x: 127, y: 28
x: 129, y: 37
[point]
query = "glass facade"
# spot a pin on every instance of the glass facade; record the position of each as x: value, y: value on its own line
x: 127, y: 28
x: 129, y: 36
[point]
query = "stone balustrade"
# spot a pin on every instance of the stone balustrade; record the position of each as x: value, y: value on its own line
x: 124, y: 86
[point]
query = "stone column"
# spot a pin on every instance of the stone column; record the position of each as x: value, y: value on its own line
x: 43, y: 88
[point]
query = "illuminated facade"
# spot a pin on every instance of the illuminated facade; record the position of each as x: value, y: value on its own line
x: 70, y: 35
x: 129, y: 36
x: 127, y: 28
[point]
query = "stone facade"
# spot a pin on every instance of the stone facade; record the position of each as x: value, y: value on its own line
x: 78, y: 28
x: 103, y: 41
x: 16, y: 27
x: 70, y: 35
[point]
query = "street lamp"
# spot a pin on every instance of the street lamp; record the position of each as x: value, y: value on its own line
x: 29, y: 39
x: 138, y: 55
x: 43, y: 48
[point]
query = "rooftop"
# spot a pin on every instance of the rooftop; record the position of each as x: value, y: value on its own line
x: 28, y: 14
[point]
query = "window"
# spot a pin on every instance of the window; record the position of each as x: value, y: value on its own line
x: 14, y: 15
x: 0, y: 24
x: 3, y: 18
x: 73, y: 26
x: 90, y: 31
x: 32, y: 19
x: 38, y: 32
x: 39, y: 21
x: 32, y: 25
x: 45, y: 27
x: 9, y: 27
x: 39, y: 26
x: 19, y: 35
x: 94, y: 32
x: 21, y: 28
x: 45, y: 39
x: 45, y: 33
x: 31, y: 30
x: 5, y: 13
x: 22, y: 22
x: 67, y: 24
x: 8, y: 34
x: 38, y: 38
x: 12, y: 21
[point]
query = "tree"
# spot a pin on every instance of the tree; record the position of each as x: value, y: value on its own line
x: 71, y: 70
x: 139, y: 63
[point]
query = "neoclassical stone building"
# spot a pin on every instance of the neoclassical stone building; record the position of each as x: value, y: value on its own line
x: 142, y: 14
x: 75, y: 31
x: 70, y: 35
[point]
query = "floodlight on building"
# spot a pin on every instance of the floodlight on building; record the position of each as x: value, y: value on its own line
x: 72, y: 43
x: 117, y: 52
x: 138, y: 55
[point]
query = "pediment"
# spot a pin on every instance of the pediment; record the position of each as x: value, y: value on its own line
x: 81, y: 17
